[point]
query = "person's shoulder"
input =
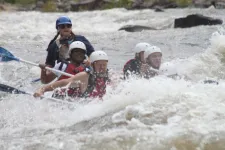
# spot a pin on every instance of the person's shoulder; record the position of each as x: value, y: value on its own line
x: 130, y: 61
x: 52, y: 46
x: 131, y: 64
x: 80, y: 37
x: 80, y: 76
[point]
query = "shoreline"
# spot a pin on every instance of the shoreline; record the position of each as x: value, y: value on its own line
x: 8, y: 7
x: 79, y: 7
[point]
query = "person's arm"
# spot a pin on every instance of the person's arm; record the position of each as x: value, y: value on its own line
x: 47, y: 76
x: 80, y: 77
x: 52, y: 55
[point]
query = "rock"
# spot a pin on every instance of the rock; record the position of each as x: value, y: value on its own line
x: 136, y: 28
x: 137, y: 4
x: 141, y: 4
x: 65, y: 5
x: 211, y: 82
x: 219, y: 5
x: 158, y: 9
x: 208, y: 3
x: 89, y: 4
x: 71, y: 5
x: 40, y: 4
x: 186, y: 22
x: 8, y: 7
x: 195, y: 20
x: 2, y: 8
x: 201, y: 3
x: 77, y: 5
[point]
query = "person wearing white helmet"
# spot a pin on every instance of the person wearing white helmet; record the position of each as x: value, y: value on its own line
x: 136, y: 65
x: 90, y: 83
x: 58, y: 47
x: 153, y: 58
x: 77, y: 52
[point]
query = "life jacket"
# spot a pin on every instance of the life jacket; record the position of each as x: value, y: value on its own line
x: 96, y: 88
x: 64, y: 92
x: 71, y: 69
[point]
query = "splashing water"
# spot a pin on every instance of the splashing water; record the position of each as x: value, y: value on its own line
x: 160, y: 113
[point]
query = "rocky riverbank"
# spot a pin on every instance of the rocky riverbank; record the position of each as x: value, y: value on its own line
x: 82, y: 5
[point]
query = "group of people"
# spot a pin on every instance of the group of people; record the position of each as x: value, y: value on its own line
x: 75, y: 55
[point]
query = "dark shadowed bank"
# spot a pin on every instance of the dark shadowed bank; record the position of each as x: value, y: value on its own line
x: 83, y: 5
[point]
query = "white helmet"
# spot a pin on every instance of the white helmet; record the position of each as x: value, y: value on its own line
x: 140, y: 47
x: 77, y: 44
x: 98, y: 55
x: 150, y: 50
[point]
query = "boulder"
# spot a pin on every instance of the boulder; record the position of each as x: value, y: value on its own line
x: 136, y: 28
x: 195, y: 20
x: 2, y: 8
x: 158, y: 9
x: 186, y: 22
x: 141, y: 4
x: 89, y: 4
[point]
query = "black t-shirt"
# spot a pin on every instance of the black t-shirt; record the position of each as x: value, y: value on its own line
x: 53, y: 50
x: 132, y: 67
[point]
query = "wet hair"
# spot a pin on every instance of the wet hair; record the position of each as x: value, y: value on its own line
x: 53, y: 40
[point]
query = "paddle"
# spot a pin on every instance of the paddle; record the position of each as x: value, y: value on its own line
x: 35, y: 80
x: 6, y: 56
x: 9, y: 89
x: 12, y: 90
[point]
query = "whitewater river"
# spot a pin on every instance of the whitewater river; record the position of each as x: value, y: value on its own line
x: 156, y: 114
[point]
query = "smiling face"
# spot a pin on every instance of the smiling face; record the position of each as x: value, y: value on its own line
x: 65, y: 29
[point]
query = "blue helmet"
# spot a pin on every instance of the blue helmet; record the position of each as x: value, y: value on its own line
x: 62, y: 20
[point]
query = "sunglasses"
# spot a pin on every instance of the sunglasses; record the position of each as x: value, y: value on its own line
x: 62, y: 26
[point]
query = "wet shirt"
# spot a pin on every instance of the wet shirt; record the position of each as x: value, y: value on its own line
x: 132, y: 67
x: 54, y: 51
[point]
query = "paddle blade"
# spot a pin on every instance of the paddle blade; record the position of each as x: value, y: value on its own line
x: 9, y: 89
x: 36, y: 80
x: 5, y: 55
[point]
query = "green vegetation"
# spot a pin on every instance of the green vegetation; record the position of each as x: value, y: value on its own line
x: 117, y: 4
x: 21, y: 2
x: 10, y: 1
x: 183, y: 3
x: 25, y: 2
x: 50, y: 6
